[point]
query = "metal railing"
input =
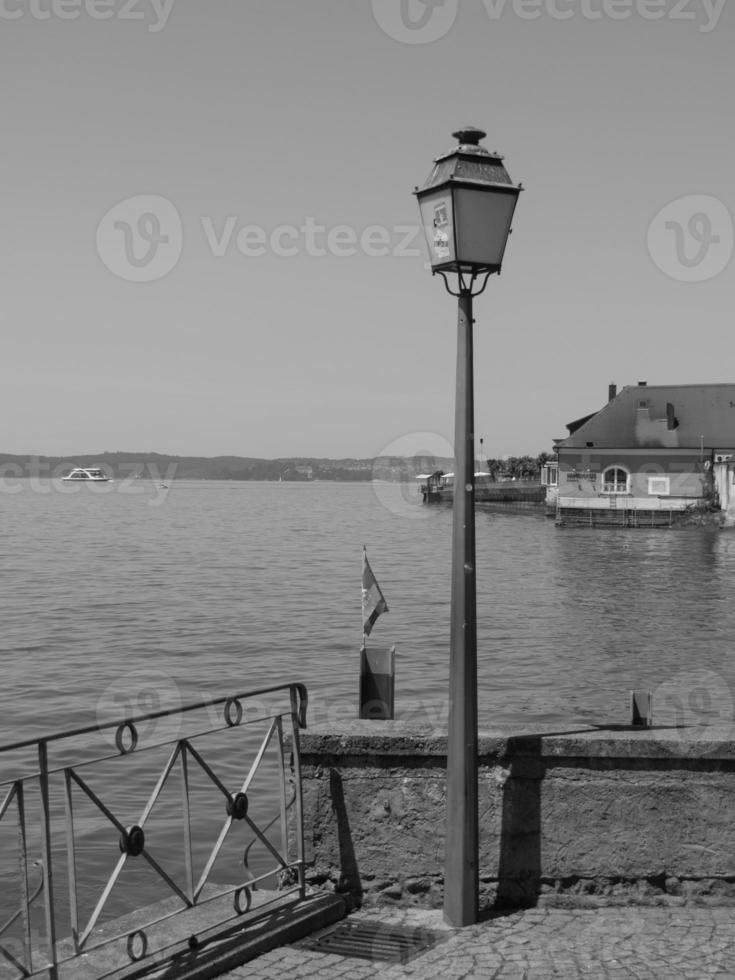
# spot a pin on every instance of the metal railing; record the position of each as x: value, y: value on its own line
x: 246, y: 790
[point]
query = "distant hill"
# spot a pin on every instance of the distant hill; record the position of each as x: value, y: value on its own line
x: 158, y: 466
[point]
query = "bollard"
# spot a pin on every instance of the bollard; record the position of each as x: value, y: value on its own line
x: 641, y: 709
x: 377, y: 683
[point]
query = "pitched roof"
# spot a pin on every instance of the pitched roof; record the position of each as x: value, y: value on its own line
x: 661, y: 416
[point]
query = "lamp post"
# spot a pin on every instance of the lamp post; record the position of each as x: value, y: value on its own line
x: 467, y: 206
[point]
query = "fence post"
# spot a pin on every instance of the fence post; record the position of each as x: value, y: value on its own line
x: 47, y: 859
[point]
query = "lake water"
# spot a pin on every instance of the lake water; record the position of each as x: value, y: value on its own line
x: 129, y: 594
x: 130, y: 597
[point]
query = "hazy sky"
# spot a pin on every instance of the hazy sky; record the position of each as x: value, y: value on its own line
x: 261, y: 289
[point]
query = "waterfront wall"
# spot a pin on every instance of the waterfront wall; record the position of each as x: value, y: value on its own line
x: 514, y: 492
x: 639, y: 814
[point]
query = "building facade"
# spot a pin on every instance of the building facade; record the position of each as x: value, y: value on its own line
x: 652, y: 456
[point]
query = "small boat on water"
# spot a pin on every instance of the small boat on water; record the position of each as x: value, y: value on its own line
x: 90, y: 474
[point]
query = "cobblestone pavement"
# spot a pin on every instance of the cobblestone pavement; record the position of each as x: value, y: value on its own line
x: 608, y: 943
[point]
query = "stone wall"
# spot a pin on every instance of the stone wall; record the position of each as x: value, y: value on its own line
x: 636, y: 813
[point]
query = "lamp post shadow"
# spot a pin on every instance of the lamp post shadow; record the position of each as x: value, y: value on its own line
x: 349, y: 886
x: 520, y: 837
x: 519, y: 858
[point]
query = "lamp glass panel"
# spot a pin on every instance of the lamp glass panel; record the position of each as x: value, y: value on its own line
x: 483, y: 221
x: 438, y: 221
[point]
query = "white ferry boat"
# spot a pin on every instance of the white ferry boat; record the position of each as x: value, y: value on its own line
x: 93, y: 474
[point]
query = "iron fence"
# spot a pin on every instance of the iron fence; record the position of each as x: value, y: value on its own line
x: 228, y: 851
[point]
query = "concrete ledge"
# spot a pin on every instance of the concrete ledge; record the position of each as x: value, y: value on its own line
x: 403, y: 738
x: 605, y: 811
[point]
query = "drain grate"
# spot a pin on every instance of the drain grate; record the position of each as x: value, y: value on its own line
x: 372, y: 941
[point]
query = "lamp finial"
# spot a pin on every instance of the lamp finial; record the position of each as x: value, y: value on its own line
x: 469, y: 135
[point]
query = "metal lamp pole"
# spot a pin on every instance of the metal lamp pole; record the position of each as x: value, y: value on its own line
x: 467, y: 206
x: 461, y: 873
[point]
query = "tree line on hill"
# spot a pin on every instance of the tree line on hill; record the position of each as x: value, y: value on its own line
x: 120, y: 465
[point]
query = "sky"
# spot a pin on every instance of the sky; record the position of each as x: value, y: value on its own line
x: 210, y: 246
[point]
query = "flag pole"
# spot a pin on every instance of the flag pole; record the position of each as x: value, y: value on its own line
x: 377, y: 680
x: 362, y: 579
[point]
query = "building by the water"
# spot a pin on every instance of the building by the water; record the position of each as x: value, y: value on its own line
x: 653, y: 455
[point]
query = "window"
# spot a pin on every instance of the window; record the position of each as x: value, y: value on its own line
x: 615, y: 480
x: 659, y: 486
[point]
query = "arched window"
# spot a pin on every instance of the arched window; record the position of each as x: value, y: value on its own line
x: 615, y: 480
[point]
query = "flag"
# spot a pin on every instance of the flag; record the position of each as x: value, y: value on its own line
x: 373, y: 601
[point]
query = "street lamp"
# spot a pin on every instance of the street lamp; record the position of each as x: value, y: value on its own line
x: 467, y: 206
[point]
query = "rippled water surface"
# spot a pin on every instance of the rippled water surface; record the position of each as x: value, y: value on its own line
x: 115, y: 595
x: 134, y: 598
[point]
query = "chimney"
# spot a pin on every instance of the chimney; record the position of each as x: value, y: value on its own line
x: 612, y: 391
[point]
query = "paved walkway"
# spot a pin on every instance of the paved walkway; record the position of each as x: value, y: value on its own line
x: 610, y: 943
